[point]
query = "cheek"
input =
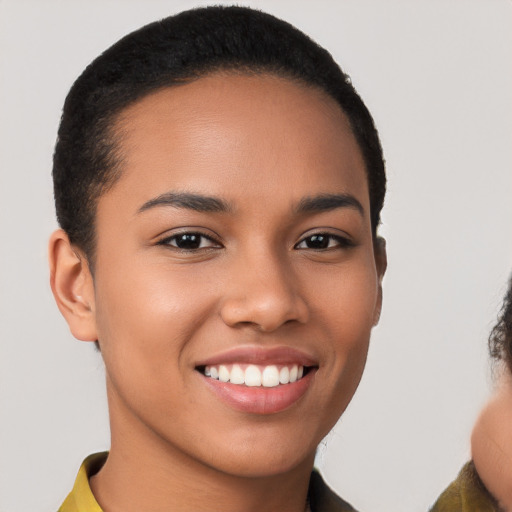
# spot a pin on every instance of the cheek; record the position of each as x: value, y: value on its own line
x: 345, y: 313
x: 145, y: 320
x: 356, y: 316
x: 347, y: 301
x: 145, y: 315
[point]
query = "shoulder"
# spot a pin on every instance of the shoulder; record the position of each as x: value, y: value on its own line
x: 323, y: 499
x: 466, y: 494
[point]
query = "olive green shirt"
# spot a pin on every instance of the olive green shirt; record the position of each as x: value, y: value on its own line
x: 81, y: 499
x: 466, y: 494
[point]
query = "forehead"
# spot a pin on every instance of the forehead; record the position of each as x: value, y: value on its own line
x: 239, y: 133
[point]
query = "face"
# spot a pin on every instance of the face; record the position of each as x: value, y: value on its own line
x: 235, y: 282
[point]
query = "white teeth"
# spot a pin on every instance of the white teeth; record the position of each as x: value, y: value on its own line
x: 284, y: 375
x: 223, y: 373
x: 237, y: 375
x: 255, y: 376
x: 252, y: 376
x: 270, y: 377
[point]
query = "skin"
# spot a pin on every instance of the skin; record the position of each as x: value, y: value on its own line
x: 261, y: 145
x: 490, y: 444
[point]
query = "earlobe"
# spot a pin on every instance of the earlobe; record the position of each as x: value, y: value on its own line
x: 381, y: 263
x: 72, y: 286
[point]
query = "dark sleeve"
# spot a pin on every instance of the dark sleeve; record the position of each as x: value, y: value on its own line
x: 323, y: 499
x: 466, y: 494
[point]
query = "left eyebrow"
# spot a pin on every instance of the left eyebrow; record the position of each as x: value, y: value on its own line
x: 327, y: 202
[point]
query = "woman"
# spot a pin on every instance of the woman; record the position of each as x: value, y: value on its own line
x: 218, y: 183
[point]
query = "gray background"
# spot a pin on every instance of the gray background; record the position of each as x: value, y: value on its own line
x: 437, y: 75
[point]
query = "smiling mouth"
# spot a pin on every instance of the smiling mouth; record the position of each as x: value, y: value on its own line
x: 251, y: 375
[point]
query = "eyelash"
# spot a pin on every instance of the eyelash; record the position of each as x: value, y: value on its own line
x: 340, y: 241
x: 319, y: 238
x: 213, y: 244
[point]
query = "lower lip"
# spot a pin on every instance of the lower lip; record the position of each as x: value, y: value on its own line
x: 260, y: 400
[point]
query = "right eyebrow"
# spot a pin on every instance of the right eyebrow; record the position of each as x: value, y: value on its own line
x: 190, y: 201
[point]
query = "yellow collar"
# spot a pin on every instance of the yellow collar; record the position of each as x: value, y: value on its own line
x: 81, y: 499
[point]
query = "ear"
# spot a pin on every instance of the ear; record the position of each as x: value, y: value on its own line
x: 72, y: 286
x: 381, y: 263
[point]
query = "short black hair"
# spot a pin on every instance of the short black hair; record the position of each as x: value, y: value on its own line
x: 177, y: 50
x: 500, y: 339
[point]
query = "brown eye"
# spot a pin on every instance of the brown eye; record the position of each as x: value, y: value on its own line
x: 317, y: 242
x: 189, y: 241
x: 321, y: 241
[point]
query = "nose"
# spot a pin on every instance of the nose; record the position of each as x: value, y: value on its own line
x: 265, y: 293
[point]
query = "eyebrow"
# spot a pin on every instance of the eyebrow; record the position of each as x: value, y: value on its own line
x: 327, y: 202
x: 189, y: 201
x: 209, y: 204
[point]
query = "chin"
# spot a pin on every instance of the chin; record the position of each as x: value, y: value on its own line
x: 263, y: 458
x: 265, y: 466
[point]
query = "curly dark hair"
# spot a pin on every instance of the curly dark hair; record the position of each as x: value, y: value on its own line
x: 177, y: 50
x: 500, y: 339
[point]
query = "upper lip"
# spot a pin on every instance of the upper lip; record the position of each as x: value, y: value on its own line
x: 260, y: 356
